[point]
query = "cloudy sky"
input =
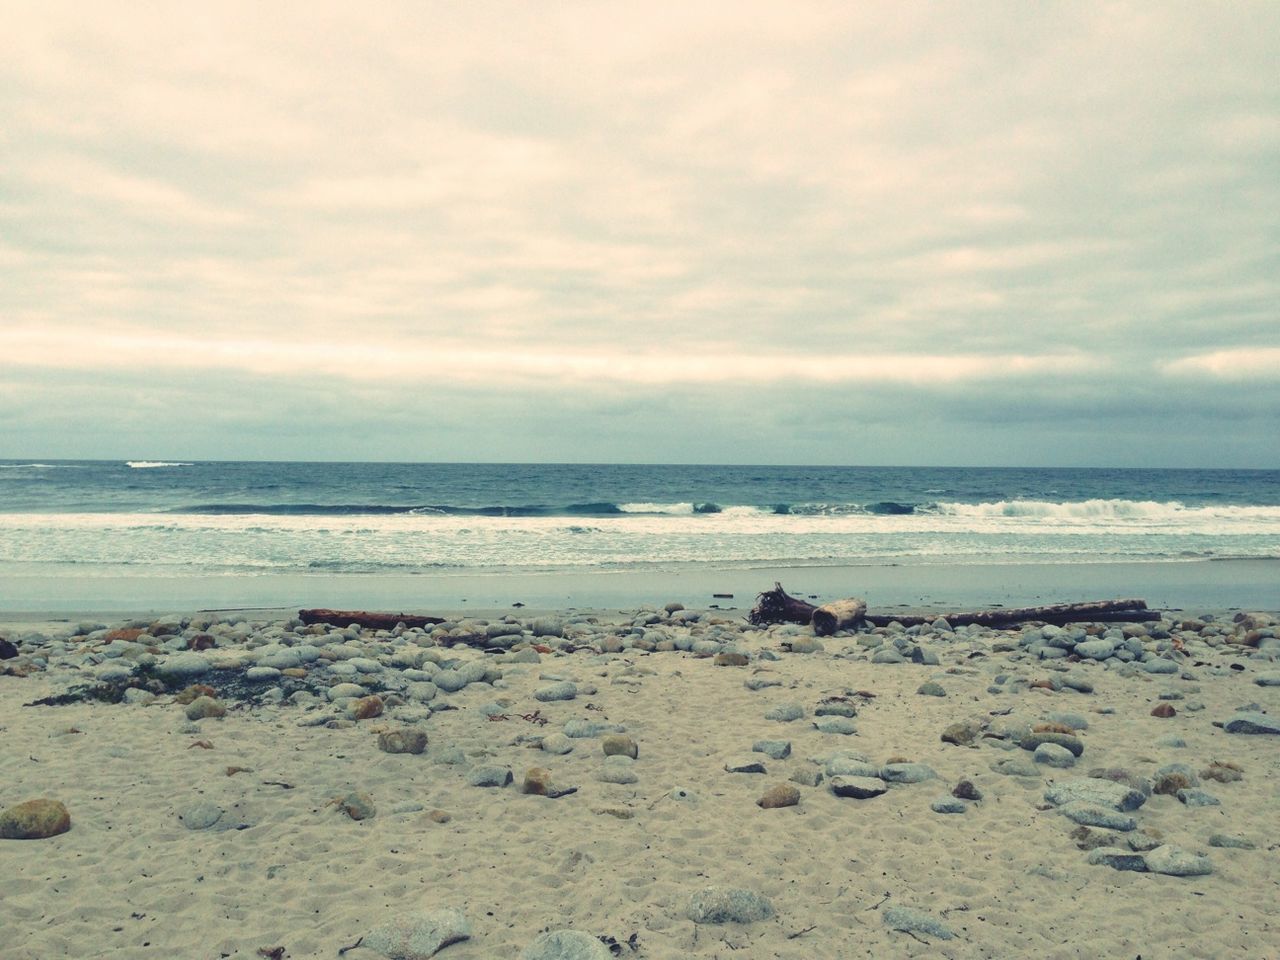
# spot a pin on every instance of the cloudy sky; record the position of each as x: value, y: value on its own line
x: 894, y: 233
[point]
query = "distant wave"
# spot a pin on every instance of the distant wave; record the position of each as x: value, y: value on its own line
x: 40, y: 466
x: 1101, y: 510
x: 152, y: 464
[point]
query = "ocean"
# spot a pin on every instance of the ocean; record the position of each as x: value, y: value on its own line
x: 81, y: 520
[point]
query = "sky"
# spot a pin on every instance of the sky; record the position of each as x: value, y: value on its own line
x: 875, y: 233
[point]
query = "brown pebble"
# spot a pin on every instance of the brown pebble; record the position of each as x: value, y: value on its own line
x: 34, y: 820
x: 203, y: 707
x: 439, y: 816
x: 1052, y: 728
x: 1169, y: 784
x: 406, y: 740
x: 194, y: 692
x: 366, y: 708
x: 232, y: 771
x: 298, y: 673
x: 731, y: 660
x: 1164, y: 710
x: 783, y: 795
x: 537, y: 780
x: 201, y: 641
x: 1224, y: 771
x: 619, y: 744
x: 965, y: 790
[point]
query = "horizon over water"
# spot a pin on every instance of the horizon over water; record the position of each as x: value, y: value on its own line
x: 80, y: 522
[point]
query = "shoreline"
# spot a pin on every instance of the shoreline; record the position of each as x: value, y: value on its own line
x: 1217, y: 585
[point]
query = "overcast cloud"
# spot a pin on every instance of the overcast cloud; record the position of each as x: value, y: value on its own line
x: 900, y: 233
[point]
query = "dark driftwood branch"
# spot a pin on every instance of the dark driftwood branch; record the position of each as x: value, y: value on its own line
x: 1105, y: 611
x: 375, y: 621
x: 775, y: 606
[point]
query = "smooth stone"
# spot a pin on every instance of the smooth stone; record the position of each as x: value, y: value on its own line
x: 1092, y: 815
x: 906, y: 772
x: 1016, y: 767
x: 1075, y: 721
x: 1066, y: 740
x: 760, y: 683
x: 1226, y: 840
x: 859, y: 788
x: 847, y: 766
x: 1103, y: 793
x: 1198, y: 798
x: 931, y: 689
x: 731, y: 660
x: 744, y: 765
x: 948, y: 805
x: 773, y: 749
x: 418, y: 935
x: 965, y: 790
x: 785, y: 712
x: 34, y: 820
x: 616, y: 774
x: 1267, y: 679
x: 1251, y: 722
x: 1053, y: 755
x: 258, y: 674
x: 804, y: 645
x: 619, y: 745
x: 450, y: 681
x: 566, y: 945
x: 1160, y: 666
x: 837, y: 725
x: 557, y: 743
x: 201, y: 815
x: 405, y: 740
x: 565, y: 690
x: 806, y: 777
x: 1175, y: 862
x: 538, y: 781
x: 888, y: 655
x: 489, y: 775
x: 346, y: 691
x: 580, y: 729
x: 183, y: 666
x: 1095, y: 649
x: 964, y: 733
x: 782, y: 795
x: 203, y: 707
x: 835, y: 708
x: 1117, y: 858
x: 910, y: 920
x: 366, y: 708
x: 357, y: 805
x: 728, y: 905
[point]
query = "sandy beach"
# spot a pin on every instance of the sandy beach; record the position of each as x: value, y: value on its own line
x: 233, y: 835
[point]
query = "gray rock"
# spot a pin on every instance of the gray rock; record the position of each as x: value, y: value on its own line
x: 548, y: 627
x: 887, y: 655
x: 785, y: 712
x: 1092, y: 815
x: 183, y: 666
x: 580, y: 729
x: 1102, y: 793
x: 842, y: 765
x: 1117, y: 858
x: 489, y: 776
x: 343, y: 691
x: 760, y: 683
x: 1095, y: 649
x: 807, y: 777
x: 418, y: 935
x: 201, y: 815
x: 906, y: 772
x: 450, y: 681
x: 948, y: 805
x: 859, y: 788
x: 773, y: 749
x: 257, y: 674
x: 1198, y: 798
x: 566, y: 945
x: 423, y: 691
x: 1016, y: 767
x: 910, y: 920
x: 1054, y: 755
x: 931, y: 689
x: 557, y: 743
x: 1226, y: 840
x: 728, y: 905
x: 1175, y: 862
x: 835, y: 708
x: 1252, y: 722
x: 1271, y: 679
x: 744, y: 765
x: 564, y: 690
x: 617, y: 773
x: 1160, y: 666
x: 838, y: 725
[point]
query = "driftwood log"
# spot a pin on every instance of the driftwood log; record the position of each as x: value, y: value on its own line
x: 775, y: 606
x: 1098, y: 611
x: 375, y: 621
x: 838, y: 615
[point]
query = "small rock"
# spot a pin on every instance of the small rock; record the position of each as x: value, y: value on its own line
x: 564, y: 690
x: 1016, y: 767
x: 1225, y: 840
x: 619, y: 745
x: 439, y: 816
x: 404, y: 740
x: 1253, y: 722
x: 859, y: 788
x: 418, y: 935
x: 557, y: 743
x: 34, y: 820
x: 612, y: 773
x: 566, y: 945
x: 785, y: 712
x: 782, y: 795
x: 201, y: 815
x: 1053, y: 755
x: 910, y: 920
x: 964, y: 733
x: 931, y: 689
x: 728, y: 905
x: 731, y: 660
x: 838, y: 725
x: 807, y: 777
x: 357, y: 805
x: 366, y: 708
x: 489, y: 776
x: 906, y: 772
x: 1092, y: 815
x: 804, y: 645
x: 947, y: 806
x: 1198, y: 798
x: 744, y: 765
x: 1103, y: 793
x: 773, y: 749
x: 538, y: 781
x: 203, y: 707
x: 965, y: 790
x: 1117, y: 858
x: 1223, y: 772
x: 1175, y: 862
x: 1068, y: 741
x: 1164, y: 711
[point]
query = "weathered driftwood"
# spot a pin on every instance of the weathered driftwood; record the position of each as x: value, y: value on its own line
x: 838, y: 615
x: 375, y: 621
x: 1102, y: 611
x: 775, y: 606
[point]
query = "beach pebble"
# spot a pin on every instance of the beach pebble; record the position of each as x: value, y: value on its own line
x: 1271, y: 679
x: 345, y: 691
x: 1164, y: 711
x: 906, y: 772
x: 619, y: 745
x: 728, y: 905
x: 931, y: 689
x: 910, y: 920
x: 851, y: 765
x: 579, y: 729
x: 418, y: 935
x: 489, y: 776
x: 785, y: 712
x: 183, y: 666
x: 782, y: 795
x: 744, y: 765
x: 556, y: 743
x: 617, y: 773
x: 1226, y: 840
x: 450, y: 681
x: 964, y: 732
x: 947, y: 805
x: 365, y: 708
x: 1175, y: 862
x: 965, y: 790
x: 1092, y: 815
x: 1053, y: 755
x: 773, y: 749
x: 1160, y: 666
x: 34, y: 820
x: 539, y: 782
x: 1192, y: 797
x: 859, y: 788
x: 804, y: 644
x: 760, y: 683
x: 200, y: 815
x: 1252, y: 722
x: 1118, y: 858
x: 1102, y: 793
x: 807, y: 777
x: 564, y: 690
x: 731, y: 660
x: 260, y: 674
x: 838, y: 725
x: 357, y: 805
x: 404, y: 740
x: 888, y: 655
x: 1067, y: 741
x: 1016, y: 767
x: 566, y: 945
x: 204, y: 707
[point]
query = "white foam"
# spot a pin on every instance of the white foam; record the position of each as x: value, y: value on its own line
x: 152, y: 464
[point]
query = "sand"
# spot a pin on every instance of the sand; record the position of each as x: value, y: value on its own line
x: 622, y: 861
